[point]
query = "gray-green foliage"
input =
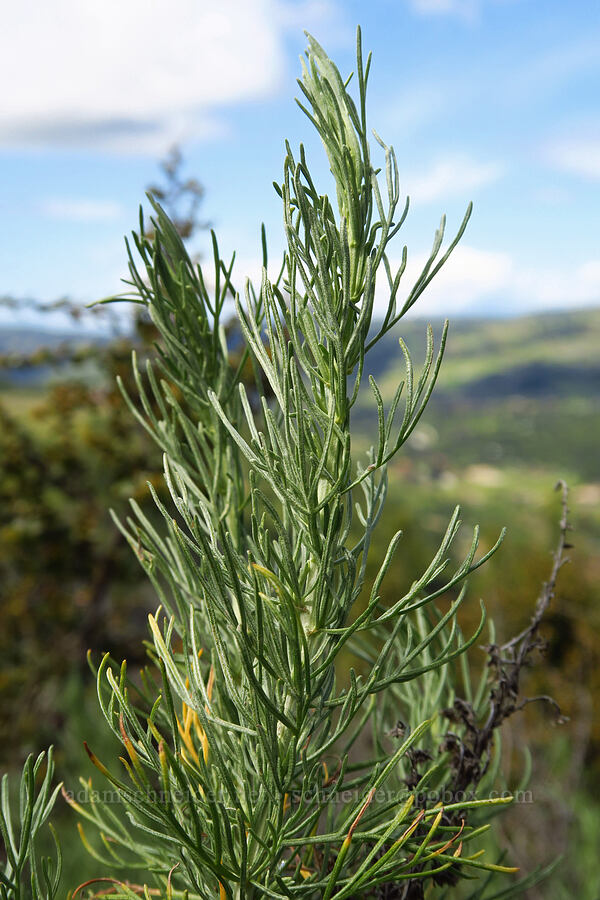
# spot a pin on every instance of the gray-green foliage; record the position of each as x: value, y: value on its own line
x: 24, y: 873
x: 258, y: 762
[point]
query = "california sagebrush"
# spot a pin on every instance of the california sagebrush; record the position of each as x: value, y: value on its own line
x: 257, y: 762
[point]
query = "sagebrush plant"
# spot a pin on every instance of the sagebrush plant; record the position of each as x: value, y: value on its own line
x: 257, y: 761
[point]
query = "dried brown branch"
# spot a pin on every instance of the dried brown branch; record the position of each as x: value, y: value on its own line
x: 506, y: 662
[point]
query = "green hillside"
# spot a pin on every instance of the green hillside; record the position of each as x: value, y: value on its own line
x: 478, y: 348
x: 519, y: 392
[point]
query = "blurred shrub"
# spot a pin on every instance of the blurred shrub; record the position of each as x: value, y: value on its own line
x: 69, y: 581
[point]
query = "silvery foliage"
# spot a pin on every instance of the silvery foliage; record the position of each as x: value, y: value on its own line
x: 257, y: 761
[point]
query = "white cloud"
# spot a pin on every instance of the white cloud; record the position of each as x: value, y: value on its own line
x: 475, y: 282
x: 469, y: 278
x: 80, y: 209
x: 555, y: 288
x: 448, y: 177
x: 482, y: 282
x: 138, y: 75
x: 578, y: 156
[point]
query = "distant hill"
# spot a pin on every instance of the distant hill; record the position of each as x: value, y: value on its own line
x: 522, y: 391
x: 510, y: 392
x: 479, y: 348
x: 27, y: 340
x: 22, y: 341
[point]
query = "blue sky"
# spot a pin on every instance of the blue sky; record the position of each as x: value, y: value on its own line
x: 495, y: 101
